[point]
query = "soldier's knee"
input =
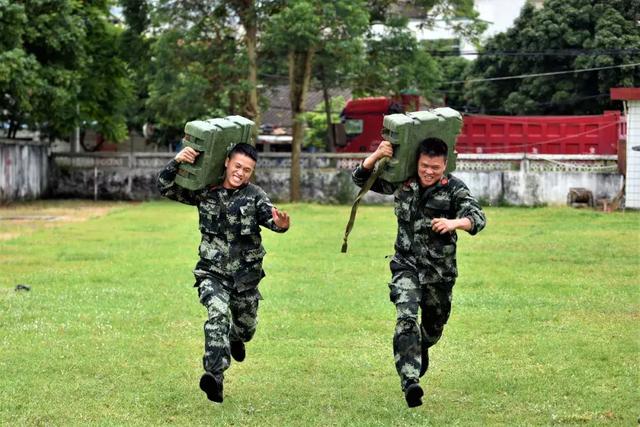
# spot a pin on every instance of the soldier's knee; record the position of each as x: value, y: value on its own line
x: 406, y: 322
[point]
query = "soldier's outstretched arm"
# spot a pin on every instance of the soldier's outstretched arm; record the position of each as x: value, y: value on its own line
x: 166, y: 179
x: 269, y: 216
x: 466, y: 206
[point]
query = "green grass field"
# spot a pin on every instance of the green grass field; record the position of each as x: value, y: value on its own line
x: 544, y: 328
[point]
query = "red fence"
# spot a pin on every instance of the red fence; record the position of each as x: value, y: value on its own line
x: 542, y: 134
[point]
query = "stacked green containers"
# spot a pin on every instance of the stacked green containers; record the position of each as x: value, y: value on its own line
x: 406, y: 131
x: 213, y: 139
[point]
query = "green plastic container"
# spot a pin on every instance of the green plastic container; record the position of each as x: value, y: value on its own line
x: 406, y: 131
x: 213, y: 139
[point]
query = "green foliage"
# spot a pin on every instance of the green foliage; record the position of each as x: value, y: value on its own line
x: 317, y: 127
x: 578, y: 34
x: 460, y: 15
x: 106, y: 90
x: 135, y: 50
x: 452, y: 68
x: 544, y: 327
x: 395, y: 62
x: 58, y: 67
x: 198, y: 66
x: 313, y: 24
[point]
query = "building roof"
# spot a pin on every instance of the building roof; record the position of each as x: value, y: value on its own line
x: 278, y: 115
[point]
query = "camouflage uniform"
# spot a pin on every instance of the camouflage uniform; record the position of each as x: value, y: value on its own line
x: 230, y: 265
x: 424, y: 265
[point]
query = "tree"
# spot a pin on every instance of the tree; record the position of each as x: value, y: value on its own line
x: 248, y: 16
x: 334, y: 67
x: 135, y: 50
x: 192, y: 78
x: 564, y: 35
x: 459, y: 15
x: 198, y: 68
x: 452, y: 68
x: 105, y: 87
x: 300, y: 30
x: 58, y: 67
x: 396, y: 62
x: 19, y: 71
x: 317, y: 134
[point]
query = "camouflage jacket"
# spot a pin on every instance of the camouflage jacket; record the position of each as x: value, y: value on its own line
x: 417, y: 246
x: 231, y: 245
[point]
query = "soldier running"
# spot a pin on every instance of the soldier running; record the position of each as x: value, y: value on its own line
x: 231, y: 252
x: 429, y: 208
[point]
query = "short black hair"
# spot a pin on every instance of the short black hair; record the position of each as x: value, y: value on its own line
x: 433, y: 147
x: 244, y: 149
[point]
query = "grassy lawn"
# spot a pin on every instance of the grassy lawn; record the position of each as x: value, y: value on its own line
x: 544, y: 328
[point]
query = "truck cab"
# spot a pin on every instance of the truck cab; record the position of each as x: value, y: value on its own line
x: 360, y: 127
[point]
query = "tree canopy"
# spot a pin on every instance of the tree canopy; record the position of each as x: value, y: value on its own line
x: 59, y: 67
x: 564, y: 35
x: 65, y: 63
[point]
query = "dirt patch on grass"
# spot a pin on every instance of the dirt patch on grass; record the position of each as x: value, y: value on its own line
x: 19, y: 219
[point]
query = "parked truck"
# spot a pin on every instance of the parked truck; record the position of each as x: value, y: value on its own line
x: 360, y: 130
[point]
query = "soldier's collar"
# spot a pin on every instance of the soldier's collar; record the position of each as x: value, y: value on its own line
x: 411, y: 184
x: 220, y: 187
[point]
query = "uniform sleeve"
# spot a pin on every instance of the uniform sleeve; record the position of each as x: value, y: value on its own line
x: 466, y: 206
x: 360, y: 176
x: 169, y: 189
x: 265, y: 217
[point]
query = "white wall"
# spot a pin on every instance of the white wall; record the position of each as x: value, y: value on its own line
x: 538, y: 188
x: 632, y: 188
x: 24, y: 170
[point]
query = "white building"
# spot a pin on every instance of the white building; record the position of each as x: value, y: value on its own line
x: 631, y: 98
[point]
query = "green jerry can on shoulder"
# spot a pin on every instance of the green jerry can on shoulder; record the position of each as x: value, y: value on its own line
x: 213, y: 139
x: 406, y: 131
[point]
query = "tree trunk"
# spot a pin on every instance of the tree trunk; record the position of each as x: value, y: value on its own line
x: 327, y: 109
x: 246, y: 10
x: 13, y: 129
x: 299, y: 78
x: 252, y: 108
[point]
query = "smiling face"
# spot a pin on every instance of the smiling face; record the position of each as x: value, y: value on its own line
x: 430, y: 169
x: 239, y: 171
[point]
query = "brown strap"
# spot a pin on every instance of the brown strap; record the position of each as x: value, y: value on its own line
x: 366, y: 187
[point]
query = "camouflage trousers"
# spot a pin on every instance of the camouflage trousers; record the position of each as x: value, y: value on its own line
x: 232, y: 316
x: 410, y: 337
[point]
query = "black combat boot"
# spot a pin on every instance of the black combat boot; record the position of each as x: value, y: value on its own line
x: 424, y: 351
x: 211, y: 384
x: 413, y: 394
x: 237, y: 350
x: 425, y: 362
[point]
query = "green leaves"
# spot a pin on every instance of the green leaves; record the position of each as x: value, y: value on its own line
x: 396, y: 62
x: 564, y: 35
x: 59, y: 59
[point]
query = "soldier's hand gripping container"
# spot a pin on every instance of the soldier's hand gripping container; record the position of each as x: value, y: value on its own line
x: 213, y: 139
x: 406, y: 131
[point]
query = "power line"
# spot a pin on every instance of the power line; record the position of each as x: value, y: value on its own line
x: 553, y: 73
x: 548, y: 52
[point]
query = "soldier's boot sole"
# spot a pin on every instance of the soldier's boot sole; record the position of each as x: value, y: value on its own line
x: 212, y: 386
x: 413, y: 395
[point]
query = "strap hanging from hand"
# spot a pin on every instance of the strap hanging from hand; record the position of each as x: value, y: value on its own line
x: 379, y: 167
